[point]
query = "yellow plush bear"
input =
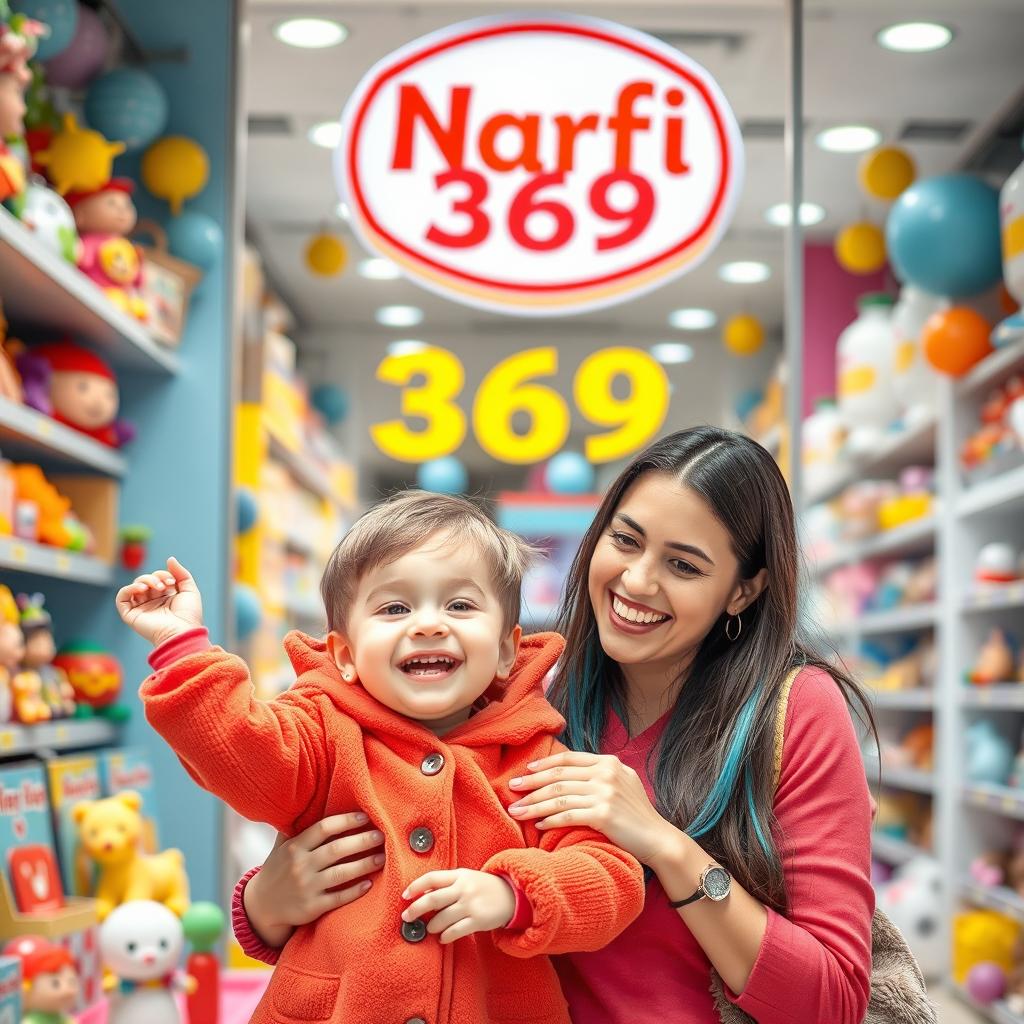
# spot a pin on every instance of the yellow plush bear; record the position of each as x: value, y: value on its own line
x: 111, y: 833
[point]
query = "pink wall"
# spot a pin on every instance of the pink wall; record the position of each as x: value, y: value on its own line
x: 830, y: 303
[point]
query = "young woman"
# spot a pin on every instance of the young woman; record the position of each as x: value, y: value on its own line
x: 680, y: 616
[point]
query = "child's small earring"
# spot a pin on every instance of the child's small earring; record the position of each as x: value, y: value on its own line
x: 347, y: 676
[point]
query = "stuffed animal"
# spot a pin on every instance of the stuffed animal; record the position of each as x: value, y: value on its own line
x: 56, y: 524
x: 981, y: 936
x: 913, y: 901
x: 141, y: 942
x: 989, y: 756
x: 995, y: 661
x: 51, y: 986
x: 111, y: 832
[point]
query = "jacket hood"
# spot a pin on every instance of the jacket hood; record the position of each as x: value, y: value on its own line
x: 516, y: 710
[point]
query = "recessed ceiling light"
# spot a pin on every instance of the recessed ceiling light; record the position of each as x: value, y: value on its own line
x: 311, y: 33
x: 326, y: 134
x: 781, y: 214
x: 744, y: 272
x: 670, y: 353
x: 406, y: 347
x: 915, y: 37
x: 848, y: 138
x: 342, y: 210
x: 399, y: 316
x: 378, y: 269
x: 692, y: 319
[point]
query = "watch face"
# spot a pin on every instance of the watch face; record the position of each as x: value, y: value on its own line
x: 716, y: 883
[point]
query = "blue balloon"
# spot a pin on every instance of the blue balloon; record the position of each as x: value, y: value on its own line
x: 195, y: 237
x: 247, y: 510
x: 127, y: 105
x: 943, y: 235
x: 445, y: 476
x: 59, y: 16
x: 569, y: 473
x: 248, y: 610
x: 331, y: 402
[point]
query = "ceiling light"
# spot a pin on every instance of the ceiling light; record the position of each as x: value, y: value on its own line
x: 915, y: 37
x: 848, y: 138
x: 744, y: 272
x: 311, y: 33
x: 399, y: 316
x: 378, y: 269
x: 670, y: 353
x: 692, y: 319
x: 343, y: 212
x: 781, y: 214
x: 406, y: 347
x: 326, y: 134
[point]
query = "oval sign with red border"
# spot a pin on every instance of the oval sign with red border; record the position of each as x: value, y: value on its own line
x: 540, y: 165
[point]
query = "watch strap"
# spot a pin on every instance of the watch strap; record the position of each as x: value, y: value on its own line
x: 698, y: 895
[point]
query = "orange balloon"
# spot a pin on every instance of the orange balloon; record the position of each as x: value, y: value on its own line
x: 955, y: 339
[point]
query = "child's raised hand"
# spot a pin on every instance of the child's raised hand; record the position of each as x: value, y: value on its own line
x: 158, y: 605
x: 462, y: 902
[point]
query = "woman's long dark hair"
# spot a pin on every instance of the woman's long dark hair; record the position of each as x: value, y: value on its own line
x: 715, y: 764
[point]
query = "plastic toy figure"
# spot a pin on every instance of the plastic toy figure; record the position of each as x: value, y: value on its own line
x: 18, y: 36
x: 40, y: 650
x: 51, y: 985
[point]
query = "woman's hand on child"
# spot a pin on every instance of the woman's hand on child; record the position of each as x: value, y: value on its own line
x: 302, y: 878
x: 595, y: 790
x: 462, y: 902
x: 161, y: 604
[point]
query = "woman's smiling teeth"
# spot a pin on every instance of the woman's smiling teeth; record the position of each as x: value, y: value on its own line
x: 630, y: 614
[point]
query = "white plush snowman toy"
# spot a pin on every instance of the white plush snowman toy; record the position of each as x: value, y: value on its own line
x: 142, y: 942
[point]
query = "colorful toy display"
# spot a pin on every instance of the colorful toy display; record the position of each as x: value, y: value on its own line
x: 43, y: 514
x: 111, y: 830
x: 983, y: 936
x: 912, y: 901
x: 51, y: 984
x: 48, y: 215
x: 78, y: 159
x: 37, y: 628
x: 1011, y: 209
x: 915, y: 500
x: 914, y: 380
x: 94, y: 673
x: 995, y: 661
x: 1000, y: 437
x: 12, y: 650
x: 989, y: 756
x: 18, y: 41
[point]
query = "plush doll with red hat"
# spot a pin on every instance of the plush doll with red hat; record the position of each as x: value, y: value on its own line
x: 104, y: 217
x: 76, y: 387
x: 50, y: 979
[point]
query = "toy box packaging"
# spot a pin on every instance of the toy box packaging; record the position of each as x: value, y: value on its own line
x: 73, y: 779
x: 127, y: 768
x: 10, y: 990
x: 26, y: 838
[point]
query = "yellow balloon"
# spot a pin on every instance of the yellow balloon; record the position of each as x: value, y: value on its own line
x: 175, y: 168
x: 886, y: 172
x: 743, y: 335
x: 79, y: 159
x: 860, y: 248
x: 325, y: 255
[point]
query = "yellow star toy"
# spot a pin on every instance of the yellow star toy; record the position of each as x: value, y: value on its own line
x: 79, y: 159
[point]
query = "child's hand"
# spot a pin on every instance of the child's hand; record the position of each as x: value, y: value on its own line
x: 462, y: 902
x: 161, y: 604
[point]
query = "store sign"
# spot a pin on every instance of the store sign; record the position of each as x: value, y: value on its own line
x: 540, y: 165
x: 432, y: 381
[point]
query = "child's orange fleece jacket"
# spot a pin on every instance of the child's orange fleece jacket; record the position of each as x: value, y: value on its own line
x: 325, y: 747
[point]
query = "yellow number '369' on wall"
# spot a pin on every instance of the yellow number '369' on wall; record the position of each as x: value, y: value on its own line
x: 513, y: 386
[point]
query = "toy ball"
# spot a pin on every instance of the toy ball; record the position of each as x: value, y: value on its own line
x: 445, y: 476
x: 986, y: 982
x: 246, y: 510
x: 197, y: 238
x: 325, y: 255
x: 743, y: 335
x: 248, y: 610
x: 59, y: 16
x: 569, y: 473
x: 943, y: 235
x: 203, y: 924
x: 860, y: 248
x: 127, y: 104
x: 46, y: 213
x: 175, y: 169
x: 141, y: 940
x: 81, y: 61
x: 78, y: 159
x: 886, y: 172
x: 955, y: 339
x: 331, y: 402
x: 94, y: 673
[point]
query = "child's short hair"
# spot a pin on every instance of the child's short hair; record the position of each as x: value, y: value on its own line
x: 396, y: 526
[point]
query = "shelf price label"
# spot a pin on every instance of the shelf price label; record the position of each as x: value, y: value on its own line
x: 432, y: 380
x: 540, y: 165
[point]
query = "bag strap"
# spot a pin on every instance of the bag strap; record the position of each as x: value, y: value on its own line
x: 780, y: 720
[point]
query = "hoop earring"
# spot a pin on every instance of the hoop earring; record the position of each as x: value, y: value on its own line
x: 739, y: 628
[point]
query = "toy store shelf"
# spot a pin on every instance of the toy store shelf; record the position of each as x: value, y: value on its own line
x: 910, y: 779
x: 915, y: 446
x: 998, y: 1012
x: 1003, y: 800
x: 898, y: 620
x: 16, y: 740
x: 994, y: 897
x: 999, y: 494
x: 995, y: 596
x: 894, y: 851
x: 1000, y: 696
x: 22, y: 556
x: 922, y: 698
x: 911, y: 539
x: 41, y: 289
x: 28, y: 434
x: 306, y: 472
x: 991, y: 369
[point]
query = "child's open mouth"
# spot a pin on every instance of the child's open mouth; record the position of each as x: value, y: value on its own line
x: 429, y: 666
